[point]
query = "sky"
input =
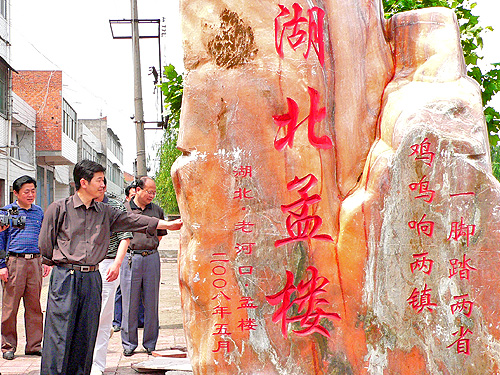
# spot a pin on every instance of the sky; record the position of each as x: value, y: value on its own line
x: 75, y: 37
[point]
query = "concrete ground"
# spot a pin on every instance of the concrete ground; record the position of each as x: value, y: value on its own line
x: 171, y: 331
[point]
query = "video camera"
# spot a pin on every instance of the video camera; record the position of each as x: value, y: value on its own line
x: 12, y: 218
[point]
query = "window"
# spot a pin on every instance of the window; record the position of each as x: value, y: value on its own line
x: 88, y: 152
x: 113, y: 173
x: 3, y: 8
x: 69, y: 120
x: 4, y: 80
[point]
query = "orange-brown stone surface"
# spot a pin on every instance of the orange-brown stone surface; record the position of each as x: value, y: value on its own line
x: 319, y: 142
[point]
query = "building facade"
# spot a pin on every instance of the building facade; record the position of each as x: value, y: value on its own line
x: 99, y: 143
x: 56, y: 132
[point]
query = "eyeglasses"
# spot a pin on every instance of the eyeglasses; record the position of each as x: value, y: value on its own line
x: 150, y: 192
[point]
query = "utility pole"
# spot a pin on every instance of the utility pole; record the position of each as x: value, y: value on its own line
x: 139, y: 111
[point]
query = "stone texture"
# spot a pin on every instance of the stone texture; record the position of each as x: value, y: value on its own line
x: 387, y: 94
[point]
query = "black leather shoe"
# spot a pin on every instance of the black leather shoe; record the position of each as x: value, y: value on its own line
x: 149, y: 351
x: 36, y: 352
x: 128, y: 352
x: 8, y: 355
x: 116, y: 328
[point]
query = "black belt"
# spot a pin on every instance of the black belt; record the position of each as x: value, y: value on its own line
x: 144, y: 253
x: 24, y: 255
x: 78, y: 267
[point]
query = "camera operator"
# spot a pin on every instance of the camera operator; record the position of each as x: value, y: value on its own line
x: 21, y: 269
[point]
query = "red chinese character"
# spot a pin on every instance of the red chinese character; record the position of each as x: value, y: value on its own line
x: 245, y: 270
x: 425, y: 227
x: 306, y: 297
x: 242, y: 194
x: 421, y: 263
x: 244, y: 171
x: 244, y: 226
x: 420, y: 300
x: 222, y: 345
x: 247, y: 303
x: 288, y: 122
x: 462, y: 305
x: 301, y: 226
x: 219, y: 294
x: 222, y: 311
x: 423, y: 190
x: 297, y: 34
x: 459, y: 194
x: 247, y: 324
x: 246, y: 248
x: 422, y: 152
x: 462, y: 344
x: 221, y: 329
x: 459, y: 229
x: 462, y: 268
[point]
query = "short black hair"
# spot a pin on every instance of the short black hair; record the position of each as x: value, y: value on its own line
x: 86, y: 169
x: 127, y: 189
x: 19, y: 182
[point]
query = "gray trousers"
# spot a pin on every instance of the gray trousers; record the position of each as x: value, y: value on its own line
x: 71, y: 322
x: 143, y: 273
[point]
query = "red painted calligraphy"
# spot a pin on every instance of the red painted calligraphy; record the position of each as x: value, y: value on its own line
x: 244, y: 226
x: 221, y: 329
x: 420, y: 300
x: 459, y: 229
x: 422, y: 152
x: 307, y: 300
x: 247, y: 303
x: 461, y: 343
x: 245, y: 248
x: 296, y: 30
x: 243, y: 171
x: 462, y: 305
x: 425, y: 227
x: 242, y: 194
x: 222, y: 311
x: 423, y: 189
x: 305, y: 226
x: 288, y: 122
x: 421, y: 263
x: 222, y: 345
x: 462, y: 268
x: 247, y: 324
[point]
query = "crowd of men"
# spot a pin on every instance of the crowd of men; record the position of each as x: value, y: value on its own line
x: 90, y: 244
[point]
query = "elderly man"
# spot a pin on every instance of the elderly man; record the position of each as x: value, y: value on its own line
x: 74, y: 238
x: 141, y: 271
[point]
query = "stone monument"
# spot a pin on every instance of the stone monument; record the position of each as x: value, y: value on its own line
x: 340, y: 215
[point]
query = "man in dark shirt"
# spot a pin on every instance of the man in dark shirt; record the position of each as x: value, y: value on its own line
x: 21, y: 272
x: 75, y: 237
x: 141, y: 271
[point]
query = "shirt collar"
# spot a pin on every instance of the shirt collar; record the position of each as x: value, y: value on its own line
x: 77, y: 202
x: 20, y: 208
x: 133, y: 206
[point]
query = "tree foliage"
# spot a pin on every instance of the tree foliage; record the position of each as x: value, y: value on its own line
x: 172, y: 87
x: 472, y: 43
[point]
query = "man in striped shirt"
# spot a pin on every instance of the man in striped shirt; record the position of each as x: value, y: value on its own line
x: 109, y: 269
x: 21, y: 272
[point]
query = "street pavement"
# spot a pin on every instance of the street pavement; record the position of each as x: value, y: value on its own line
x: 171, y: 331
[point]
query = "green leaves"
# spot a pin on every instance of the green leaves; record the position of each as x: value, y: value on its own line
x: 172, y: 88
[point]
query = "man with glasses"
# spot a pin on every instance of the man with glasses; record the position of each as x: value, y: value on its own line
x: 142, y: 269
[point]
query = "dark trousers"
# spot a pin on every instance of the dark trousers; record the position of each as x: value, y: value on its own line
x: 117, y: 320
x: 72, y: 319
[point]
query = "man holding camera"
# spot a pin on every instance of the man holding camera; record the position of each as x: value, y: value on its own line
x: 21, y: 270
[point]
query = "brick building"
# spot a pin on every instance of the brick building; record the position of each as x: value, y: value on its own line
x: 56, y: 131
